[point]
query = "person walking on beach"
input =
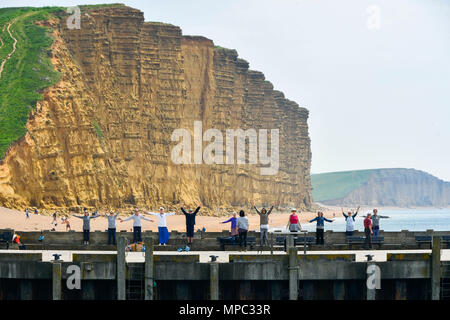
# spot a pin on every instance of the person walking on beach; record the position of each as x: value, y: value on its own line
x: 263, y: 224
x: 163, y: 232
x: 65, y: 220
x: 368, y: 232
x: 350, y: 222
x: 86, y: 225
x: 112, y: 227
x: 27, y: 214
x: 233, y: 221
x: 54, y: 219
x: 137, y: 225
x: 36, y: 211
x: 376, y: 222
x: 190, y: 223
x: 242, y: 225
x: 320, y: 226
x: 294, y: 223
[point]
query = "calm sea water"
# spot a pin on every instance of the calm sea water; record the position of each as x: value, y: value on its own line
x: 400, y: 219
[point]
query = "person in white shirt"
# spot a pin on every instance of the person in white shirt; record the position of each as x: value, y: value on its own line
x: 163, y: 233
x: 137, y: 226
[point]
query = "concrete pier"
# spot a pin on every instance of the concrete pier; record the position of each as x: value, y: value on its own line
x: 121, y: 284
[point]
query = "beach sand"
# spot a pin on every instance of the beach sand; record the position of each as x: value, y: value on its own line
x: 17, y: 220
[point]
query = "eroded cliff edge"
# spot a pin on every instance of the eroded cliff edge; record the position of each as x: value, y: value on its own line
x: 101, y: 137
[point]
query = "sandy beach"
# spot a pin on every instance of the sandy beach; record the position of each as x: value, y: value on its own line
x: 17, y: 220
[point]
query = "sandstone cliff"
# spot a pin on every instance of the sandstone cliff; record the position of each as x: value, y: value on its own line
x: 101, y: 137
x: 381, y: 187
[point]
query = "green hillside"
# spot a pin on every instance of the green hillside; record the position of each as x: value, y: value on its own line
x: 27, y: 69
x: 336, y: 185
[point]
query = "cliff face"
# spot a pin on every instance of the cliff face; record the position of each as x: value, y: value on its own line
x: 101, y: 137
x: 395, y: 187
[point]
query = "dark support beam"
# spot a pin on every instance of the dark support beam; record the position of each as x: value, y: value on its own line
x: 293, y: 273
x: 121, y: 284
x: 149, y: 268
x: 436, y: 269
x: 339, y: 290
x: 56, y: 274
x: 214, y: 280
x: 400, y: 289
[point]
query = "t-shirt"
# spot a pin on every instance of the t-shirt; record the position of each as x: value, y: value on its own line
x: 367, y: 222
x: 293, y: 219
x: 242, y: 223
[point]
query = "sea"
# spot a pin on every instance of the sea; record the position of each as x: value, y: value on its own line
x: 399, y: 219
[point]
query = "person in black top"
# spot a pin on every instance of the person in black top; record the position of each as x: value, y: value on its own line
x: 190, y: 223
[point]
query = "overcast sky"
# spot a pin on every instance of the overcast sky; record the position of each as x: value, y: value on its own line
x: 375, y: 75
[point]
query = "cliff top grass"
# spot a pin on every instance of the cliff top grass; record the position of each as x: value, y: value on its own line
x: 336, y: 185
x: 27, y: 70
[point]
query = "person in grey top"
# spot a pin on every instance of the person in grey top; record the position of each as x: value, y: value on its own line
x: 376, y: 221
x: 242, y: 225
x: 264, y: 224
x: 112, y: 227
x: 86, y: 224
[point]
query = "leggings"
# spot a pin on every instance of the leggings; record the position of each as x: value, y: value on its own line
x: 85, y: 235
x: 243, y: 237
x: 264, y: 239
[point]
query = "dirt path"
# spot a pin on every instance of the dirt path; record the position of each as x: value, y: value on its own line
x: 14, y: 47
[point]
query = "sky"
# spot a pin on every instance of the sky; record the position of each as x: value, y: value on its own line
x: 375, y: 75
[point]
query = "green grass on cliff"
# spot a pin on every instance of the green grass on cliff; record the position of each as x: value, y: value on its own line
x: 336, y: 185
x: 27, y: 72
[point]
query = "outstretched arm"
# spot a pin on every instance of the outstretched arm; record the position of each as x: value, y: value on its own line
x: 257, y: 211
x: 270, y: 210
x: 315, y: 219
x: 384, y: 217
x: 153, y: 213
x: 196, y: 210
x: 80, y: 217
x: 129, y: 218
x: 146, y: 219
x: 184, y: 211
x: 170, y: 213
x: 327, y: 220
x: 229, y: 220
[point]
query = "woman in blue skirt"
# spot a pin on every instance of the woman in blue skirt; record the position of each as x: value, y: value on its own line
x: 162, y: 225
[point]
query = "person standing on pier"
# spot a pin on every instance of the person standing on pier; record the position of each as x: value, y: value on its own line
x: 86, y: 225
x: 137, y: 225
x: 190, y: 223
x: 368, y: 232
x: 233, y: 220
x: 320, y: 226
x: 263, y: 223
x: 350, y: 222
x: 294, y: 223
x: 376, y: 222
x: 112, y: 227
x: 163, y: 232
x: 242, y: 225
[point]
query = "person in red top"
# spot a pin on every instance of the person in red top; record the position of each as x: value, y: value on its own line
x: 293, y: 223
x: 368, y: 232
